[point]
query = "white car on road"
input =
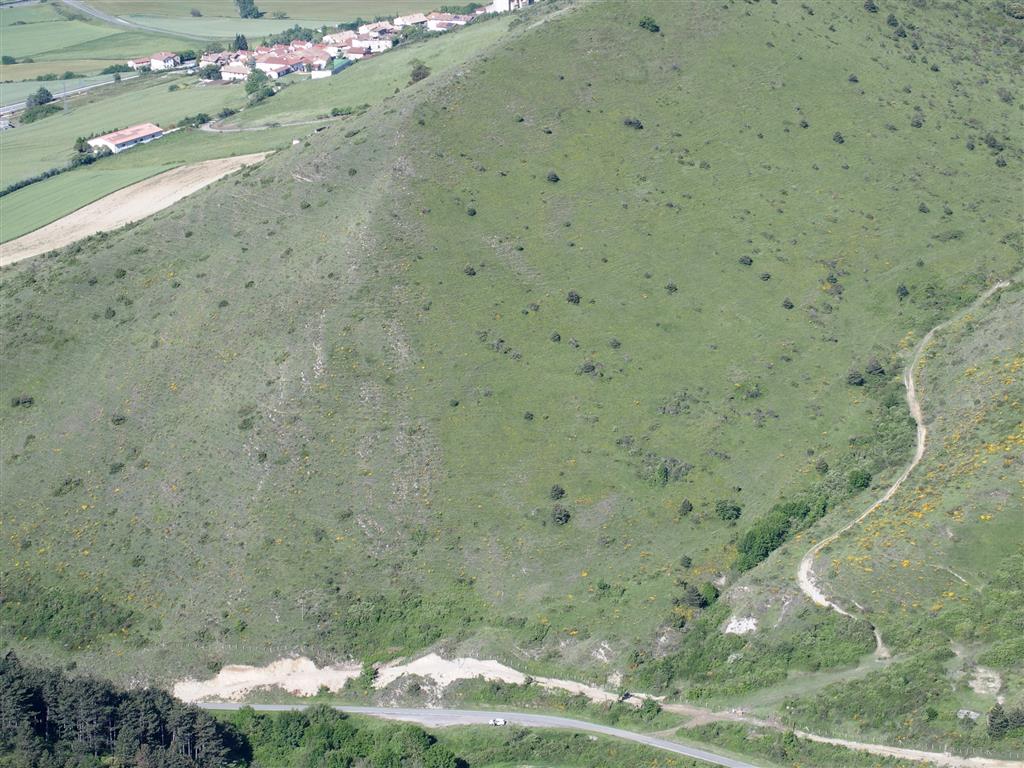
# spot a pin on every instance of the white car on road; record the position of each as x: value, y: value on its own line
x: 496, y: 721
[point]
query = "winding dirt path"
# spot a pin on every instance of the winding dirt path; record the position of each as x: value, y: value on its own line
x: 805, y: 572
x: 124, y: 206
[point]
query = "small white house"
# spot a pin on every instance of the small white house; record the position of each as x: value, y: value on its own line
x: 355, y: 54
x: 163, y: 60
x: 138, y: 64
x: 118, y: 141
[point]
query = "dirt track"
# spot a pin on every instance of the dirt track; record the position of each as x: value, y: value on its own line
x: 805, y: 573
x: 124, y: 206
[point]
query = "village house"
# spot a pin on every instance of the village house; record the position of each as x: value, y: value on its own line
x: 296, y: 45
x: 411, y: 20
x: 354, y: 54
x: 442, y: 22
x: 377, y: 29
x: 340, y: 39
x: 235, y: 71
x: 118, y: 141
x: 163, y: 60
x: 138, y: 64
x: 220, y: 59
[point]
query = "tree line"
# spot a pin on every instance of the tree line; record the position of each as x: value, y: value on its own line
x: 50, y: 719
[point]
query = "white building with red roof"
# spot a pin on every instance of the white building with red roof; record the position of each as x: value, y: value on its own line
x: 118, y: 141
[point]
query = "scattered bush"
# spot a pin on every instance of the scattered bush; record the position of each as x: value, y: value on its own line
x: 557, y: 492
x: 855, y: 378
x: 553, y: 177
x: 572, y: 297
x: 420, y: 71
x: 632, y: 122
x: 727, y: 509
x: 560, y: 515
x: 858, y: 479
x: 649, y: 24
x: 837, y: 137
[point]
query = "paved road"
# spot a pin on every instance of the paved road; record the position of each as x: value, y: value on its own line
x: 443, y: 717
x: 20, y: 105
x: 117, y: 21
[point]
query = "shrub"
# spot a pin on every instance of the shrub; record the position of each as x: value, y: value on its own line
x: 195, y: 13
x: 649, y: 24
x: 870, y: 7
x: 855, y: 378
x: 727, y: 509
x: 420, y: 71
x: 685, y: 561
x: 40, y: 97
x: 632, y: 122
x: 837, y: 137
x: 560, y: 515
x: 853, y: 79
x: 902, y: 292
x: 557, y: 492
x: 8, y: 60
x: 469, y: 271
x: 923, y: 208
x: 746, y: 261
x: 553, y: 177
x: 572, y: 297
x: 874, y: 367
x: 471, y: 211
x: 858, y: 479
x: 671, y: 288
x: 686, y: 507
x: 787, y: 303
x: 39, y: 112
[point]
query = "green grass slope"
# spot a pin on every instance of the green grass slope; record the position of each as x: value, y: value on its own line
x: 344, y: 405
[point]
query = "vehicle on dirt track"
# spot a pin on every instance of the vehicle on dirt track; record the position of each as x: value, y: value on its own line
x: 496, y: 721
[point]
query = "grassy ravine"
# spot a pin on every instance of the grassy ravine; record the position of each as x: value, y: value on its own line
x: 322, y: 406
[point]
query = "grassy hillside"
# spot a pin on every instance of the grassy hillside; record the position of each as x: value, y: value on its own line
x: 495, y: 365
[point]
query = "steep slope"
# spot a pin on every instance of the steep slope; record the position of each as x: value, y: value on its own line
x: 516, y: 360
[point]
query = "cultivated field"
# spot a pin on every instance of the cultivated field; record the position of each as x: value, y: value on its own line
x: 30, y: 149
x: 125, y: 206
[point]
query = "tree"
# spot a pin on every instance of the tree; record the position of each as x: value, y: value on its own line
x: 858, y: 479
x: 902, y: 292
x: 247, y: 9
x: 560, y: 515
x: 256, y: 81
x: 727, y: 509
x: 195, y: 13
x: 855, y: 378
x: 8, y: 60
x: 42, y: 96
x: 241, y: 44
x: 649, y: 24
x: 557, y: 492
x: 210, y: 72
x: 998, y: 722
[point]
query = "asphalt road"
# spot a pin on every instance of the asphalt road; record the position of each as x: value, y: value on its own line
x: 443, y: 717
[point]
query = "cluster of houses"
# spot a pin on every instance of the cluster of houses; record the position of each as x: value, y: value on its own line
x: 335, y: 51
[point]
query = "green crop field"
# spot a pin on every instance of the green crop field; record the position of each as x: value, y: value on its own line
x: 11, y: 93
x: 46, y: 201
x: 339, y: 10
x: 32, y: 148
x: 563, y: 356
x: 40, y: 33
x: 31, y: 70
x: 373, y: 80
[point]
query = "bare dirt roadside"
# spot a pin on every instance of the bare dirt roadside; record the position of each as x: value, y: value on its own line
x: 124, y: 206
x: 805, y: 574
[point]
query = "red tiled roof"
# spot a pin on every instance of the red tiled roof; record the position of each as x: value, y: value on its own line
x: 130, y: 134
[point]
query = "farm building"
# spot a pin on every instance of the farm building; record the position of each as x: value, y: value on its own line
x: 163, y: 60
x: 138, y: 64
x: 118, y: 141
x: 407, y: 21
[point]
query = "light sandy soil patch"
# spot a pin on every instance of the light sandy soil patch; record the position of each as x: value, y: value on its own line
x: 986, y: 681
x: 301, y: 677
x: 124, y: 206
x: 741, y: 625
